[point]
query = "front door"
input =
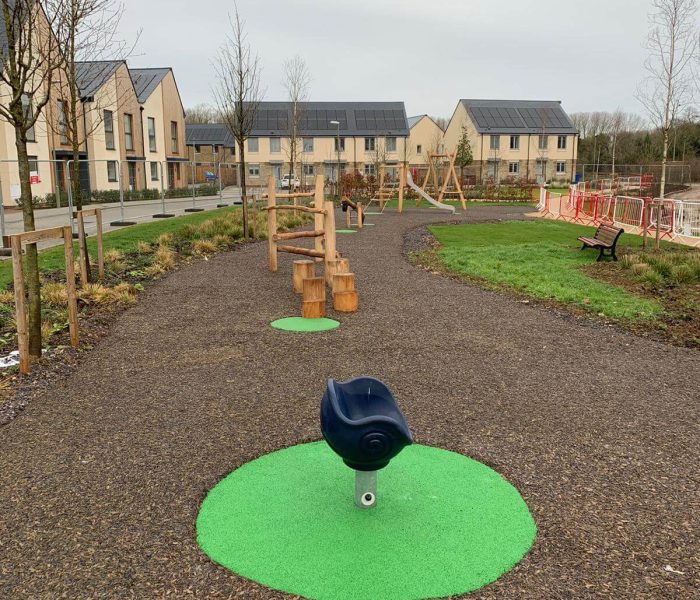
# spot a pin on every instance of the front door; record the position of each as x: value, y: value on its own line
x: 131, y: 166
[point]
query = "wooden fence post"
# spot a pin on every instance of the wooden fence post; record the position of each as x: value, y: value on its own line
x: 20, y: 306
x: 359, y: 216
x: 402, y: 182
x: 271, y: 226
x: 83, y: 258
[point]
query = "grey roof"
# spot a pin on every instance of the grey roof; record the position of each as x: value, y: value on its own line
x: 413, y: 121
x: 519, y: 116
x: 147, y: 80
x: 92, y: 75
x: 356, y: 119
x: 208, y: 134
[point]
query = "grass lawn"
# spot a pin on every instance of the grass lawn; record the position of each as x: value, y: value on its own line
x: 542, y: 259
x: 124, y: 240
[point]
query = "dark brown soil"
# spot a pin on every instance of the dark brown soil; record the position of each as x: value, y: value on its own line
x: 102, y: 475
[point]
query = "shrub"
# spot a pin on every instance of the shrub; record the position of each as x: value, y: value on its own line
x: 661, y: 264
x: 165, y: 258
x: 222, y: 242
x: 54, y: 294
x: 683, y: 274
x: 6, y: 297
x: 165, y: 240
x: 144, y: 248
x: 652, y: 277
x: 640, y: 268
x: 204, y: 247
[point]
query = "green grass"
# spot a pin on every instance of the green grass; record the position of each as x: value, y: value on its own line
x: 541, y: 259
x: 409, y: 204
x: 124, y: 240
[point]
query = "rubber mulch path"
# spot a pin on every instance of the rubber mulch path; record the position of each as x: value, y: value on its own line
x: 102, y: 477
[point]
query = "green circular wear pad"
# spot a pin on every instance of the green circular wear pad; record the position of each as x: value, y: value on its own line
x: 444, y: 524
x: 345, y: 231
x: 303, y: 325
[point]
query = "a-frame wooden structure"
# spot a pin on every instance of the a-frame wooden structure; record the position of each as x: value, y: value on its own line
x: 450, y: 176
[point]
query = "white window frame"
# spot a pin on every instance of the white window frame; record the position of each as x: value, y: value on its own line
x: 253, y: 169
x: 370, y: 170
x: 154, y: 173
x: 308, y: 170
x: 275, y: 145
x: 545, y: 145
x: 495, y: 142
x: 370, y: 144
x: 514, y: 142
x: 342, y: 144
x: 390, y: 147
x: 562, y: 164
x: 561, y: 142
x: 174, y: 138
x: 307, y: 145
x: 128, y: 132
x: 253, y: 145
x: 513, y: 167
x: 109, y: 131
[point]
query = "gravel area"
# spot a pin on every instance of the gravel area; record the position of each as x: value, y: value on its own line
x: 102, y: 475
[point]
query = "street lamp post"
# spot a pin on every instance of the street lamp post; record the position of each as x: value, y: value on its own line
x: 337, y: 147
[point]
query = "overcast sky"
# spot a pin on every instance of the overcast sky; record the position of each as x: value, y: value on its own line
x: 587, y: 53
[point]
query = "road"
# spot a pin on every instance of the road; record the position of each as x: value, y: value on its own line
x: 138, y: 211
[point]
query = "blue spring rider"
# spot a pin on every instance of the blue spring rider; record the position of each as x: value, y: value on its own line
x: 362, y: 423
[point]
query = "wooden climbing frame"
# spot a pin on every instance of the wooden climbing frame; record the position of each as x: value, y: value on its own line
x: 349, y: 206
x: 451, y: 176
x: 323, y: 232
x: 17, y: 243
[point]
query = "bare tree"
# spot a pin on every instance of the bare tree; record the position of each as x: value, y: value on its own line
x: 297, y: 81
x: 668, y: 89
x: 86, y: 32
x: 28, y: 67
x: 201, y: 114
x: 238, y: 93
x: 441, y: 122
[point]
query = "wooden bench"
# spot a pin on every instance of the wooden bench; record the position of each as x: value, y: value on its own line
x: 605, y: 238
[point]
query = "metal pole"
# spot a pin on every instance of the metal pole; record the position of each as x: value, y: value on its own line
x: 221, y: 203
x: 70, y: 198
x: 122, y: 222
x: 162, y: 214
x: 365, y: 489
x: 194, y: 208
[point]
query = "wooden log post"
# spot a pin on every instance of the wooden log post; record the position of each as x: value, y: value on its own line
x: 402, y: 183
x: 343, y: 265
x: 360, y: 225
x: 302, y: 269
x: 20, y: 305
x: 313, y: 305
x: 100, y: 246
x: 318, y: 217
x: 330, y: 245
x: 271, y: 225
x: 345, y: 297
x: 83, y: 258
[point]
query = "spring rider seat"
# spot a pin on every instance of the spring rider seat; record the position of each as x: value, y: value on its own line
x: 362, y: 423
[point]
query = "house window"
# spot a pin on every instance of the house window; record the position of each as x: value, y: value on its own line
x: 275, y: 145
x: 254, y: 170
x: 495, y: 142
x: 308, y: 169
x: 33, y: 164
x: 28, y: 115
x: 370, y: 144
x: 342, y: 144
x: 151, y: 134
x: 174, y: 142
x: 561, y: 167
x: 111, y: 170
x: 542, y: 144
x: 154, y: 171
x: 419, y: 149
x: 369, y: 168
x: 308, y: 144
x: 128, y: 132
x: 561, y: 142
x: 391, y: 144
x: 253, y: 144
x: 108, y: 120
x: 515, y: 142
x: 514, y: 168
x: 62, y: 123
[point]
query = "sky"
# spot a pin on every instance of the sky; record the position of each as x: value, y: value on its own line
x: 587, y: 53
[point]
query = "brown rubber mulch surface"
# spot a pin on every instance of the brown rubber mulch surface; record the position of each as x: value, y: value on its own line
x: 102, y: 476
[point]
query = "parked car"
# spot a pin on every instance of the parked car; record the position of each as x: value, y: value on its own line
x: 210, y: 177
x: 284, y: 182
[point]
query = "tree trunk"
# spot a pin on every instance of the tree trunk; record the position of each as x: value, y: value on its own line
x: 75, y: 177
x: 662, y: 190
x: 32, y: 255
x: 244, y: 192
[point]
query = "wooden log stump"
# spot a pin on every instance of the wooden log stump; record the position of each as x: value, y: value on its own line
x: 332, y: 267
x: 343, y: 282
x: 346, y: 302
x: 343, y: 266
x: 302, y: 269
x: 313, y: 305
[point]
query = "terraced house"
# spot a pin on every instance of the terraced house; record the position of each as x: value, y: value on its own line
x: 518, y: 139
x: 359, y: 135
x: 131, y: 132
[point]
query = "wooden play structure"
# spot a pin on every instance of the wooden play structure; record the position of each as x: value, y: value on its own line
x: 304, y: 279
x: 84, y: 258
x: 17, y: 243
x: 348, y: 206
x: 431, y: 181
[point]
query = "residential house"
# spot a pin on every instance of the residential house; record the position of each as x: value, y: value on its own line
x: 518, y: 139
x: 425, y: 137
x: 360, y: 136
x: 210, y: 143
